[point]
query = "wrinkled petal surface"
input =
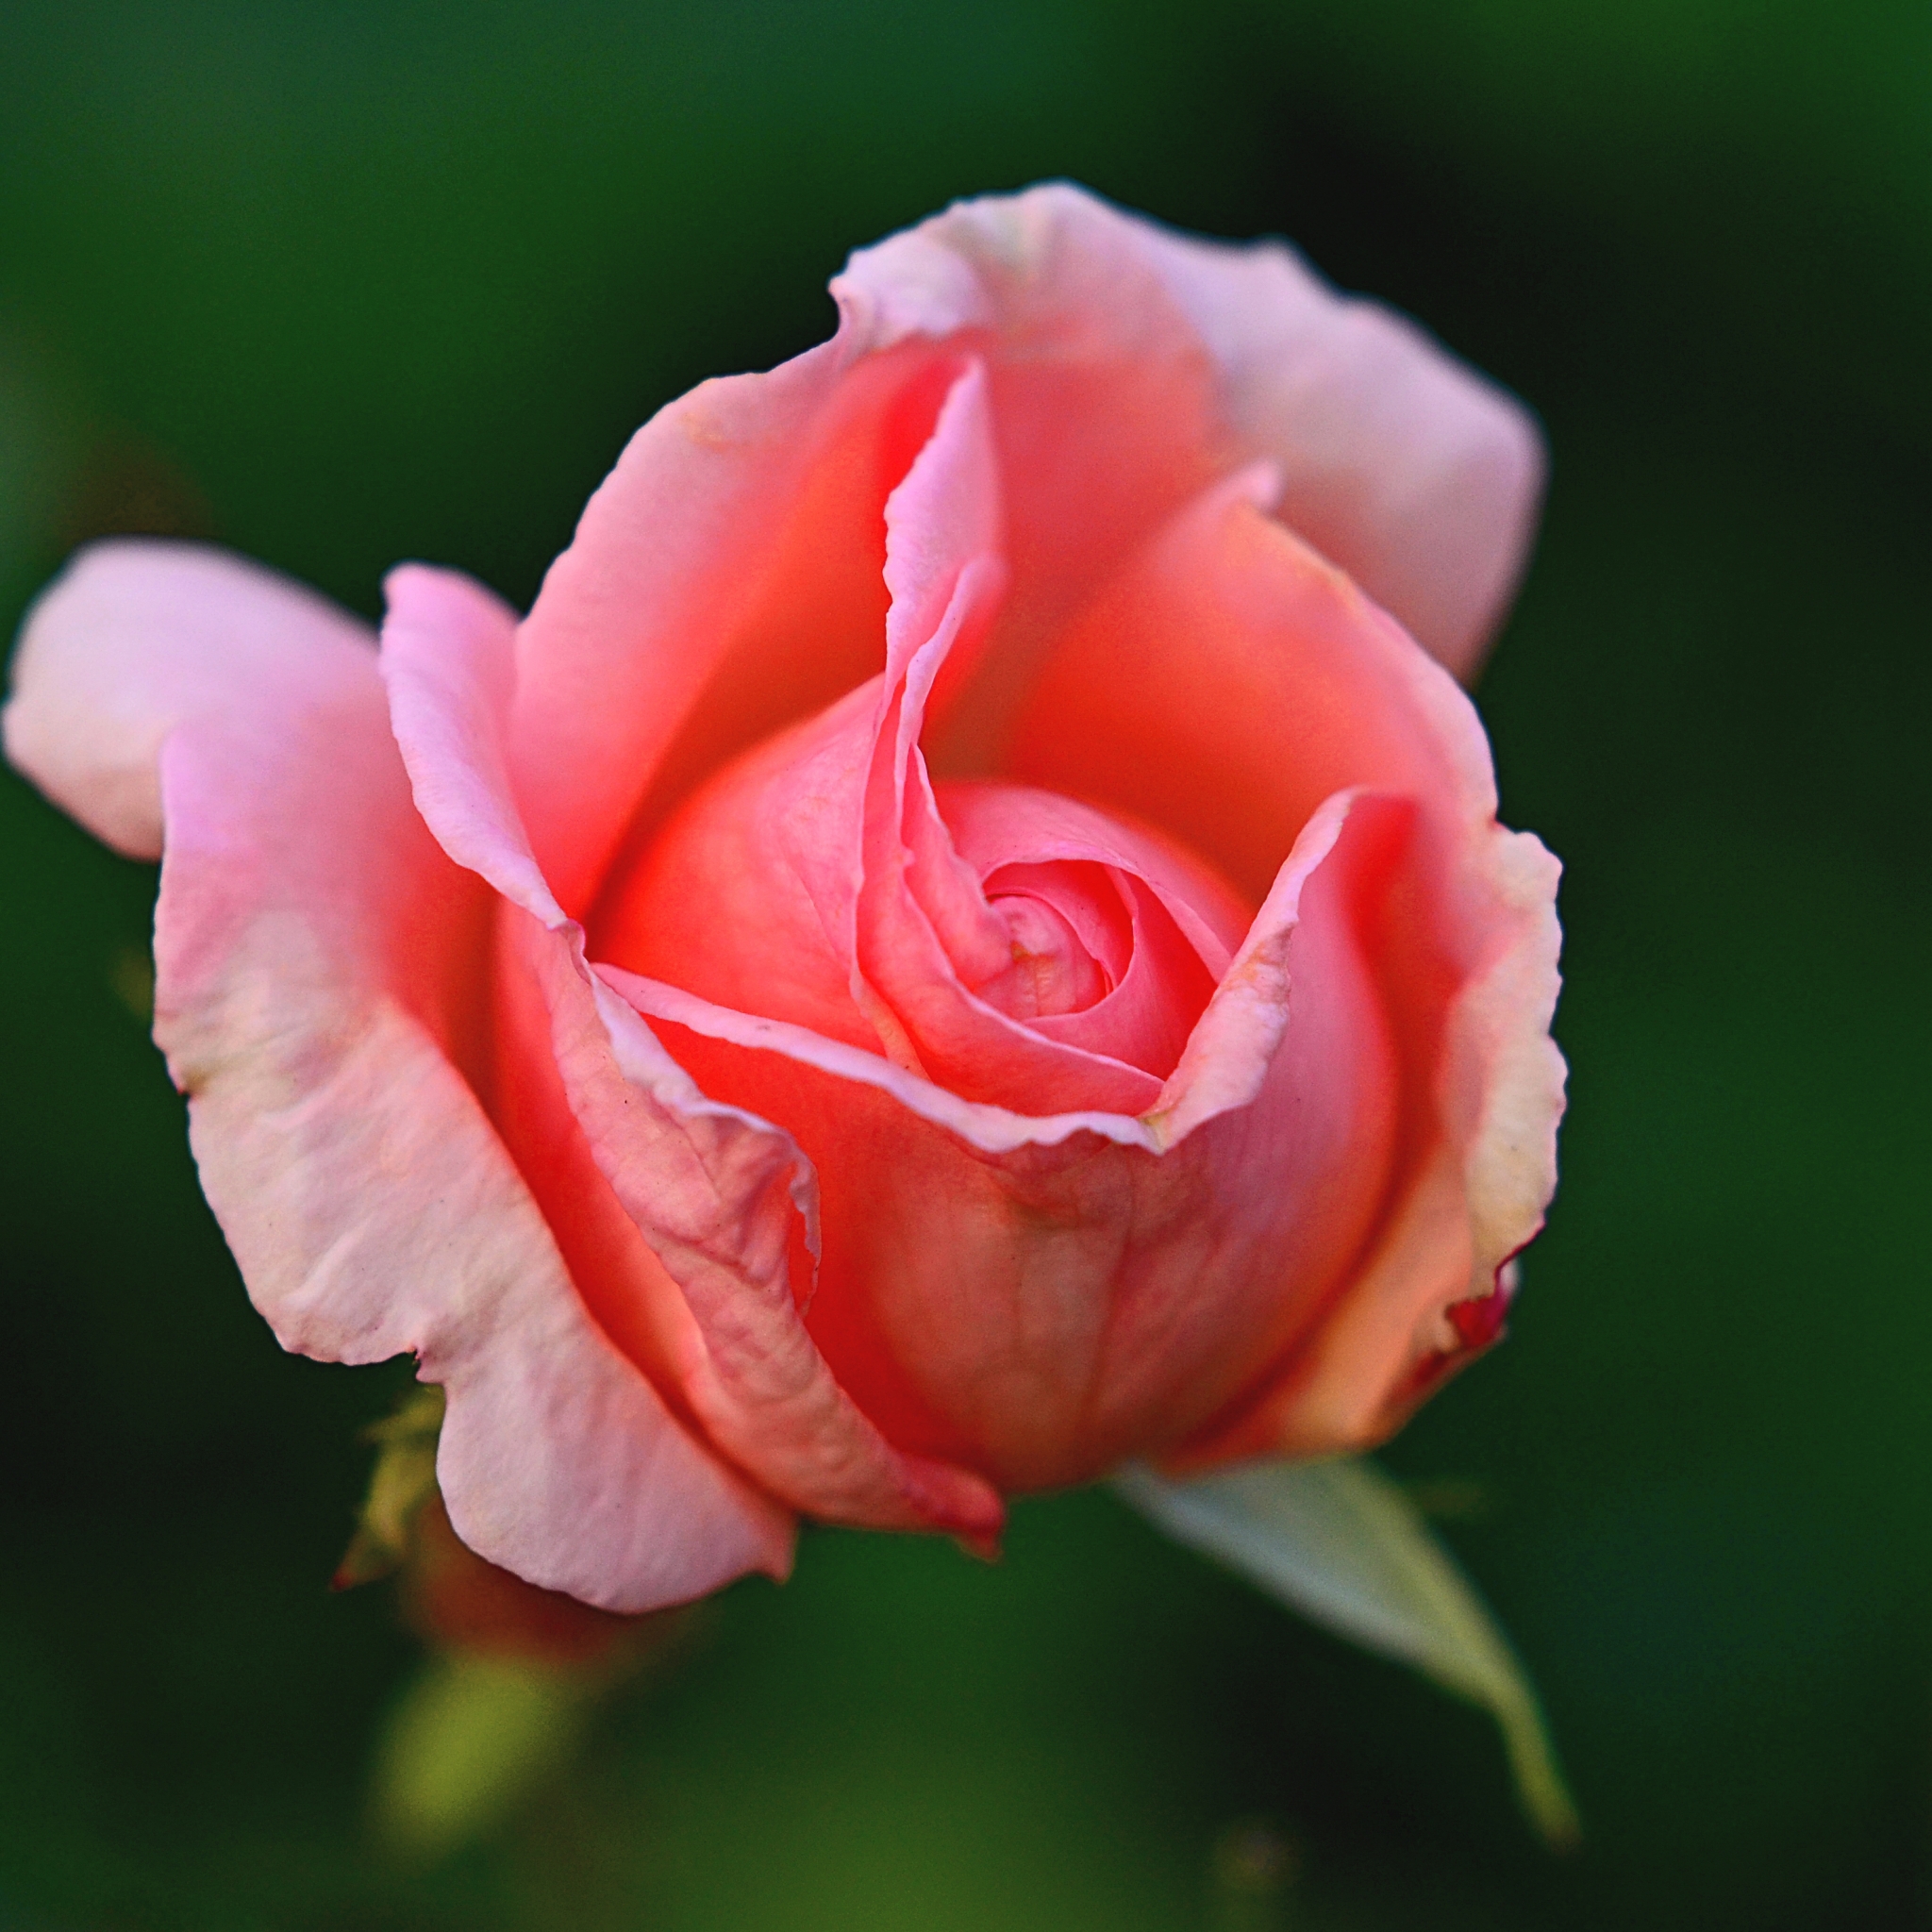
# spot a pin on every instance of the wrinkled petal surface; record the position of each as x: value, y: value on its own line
x: 719, y: 1200
x: 314, y: 952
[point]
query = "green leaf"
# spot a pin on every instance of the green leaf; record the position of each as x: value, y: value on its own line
x: 1346, y: 1546
x: 472, y: 1738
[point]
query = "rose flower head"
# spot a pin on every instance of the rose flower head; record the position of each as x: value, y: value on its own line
x: 961, y: 945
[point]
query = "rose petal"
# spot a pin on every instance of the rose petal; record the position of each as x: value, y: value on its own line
x: 715, y: 1192
x: 1037, y: 1297
x: 1228, y: 680
x: 1400, y: 462
x: 313, y: 949
x: 1101, y: 393
x: 1221, y: 687
x: 723, y: 581
x: 1186, y: 925
x: 132, y: 638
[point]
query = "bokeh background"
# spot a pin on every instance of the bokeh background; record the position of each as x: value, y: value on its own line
x: 341, y: 283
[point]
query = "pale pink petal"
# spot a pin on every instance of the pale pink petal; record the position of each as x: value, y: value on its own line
x: 1400, y: 462
x: 132, y: 638
x: 721, y: 1199
x: 314, y: 954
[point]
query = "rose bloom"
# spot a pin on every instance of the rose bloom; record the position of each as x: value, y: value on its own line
x: 963, y: 943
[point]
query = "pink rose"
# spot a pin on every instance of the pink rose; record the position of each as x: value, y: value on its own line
x: 963, y: 943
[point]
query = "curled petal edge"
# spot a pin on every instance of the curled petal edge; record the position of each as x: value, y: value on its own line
x: 182, y: 701
x: 711, y: 1187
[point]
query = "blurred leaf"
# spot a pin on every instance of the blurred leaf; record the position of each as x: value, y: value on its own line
x: 402, y: 1481
x: 1345, y: 1545
x: 472, y: 1737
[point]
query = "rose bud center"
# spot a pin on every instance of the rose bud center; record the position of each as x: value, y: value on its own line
x: 1001, y: 915
x: 1070, y: 947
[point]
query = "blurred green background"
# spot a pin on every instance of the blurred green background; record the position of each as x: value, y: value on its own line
x: 341, y: 283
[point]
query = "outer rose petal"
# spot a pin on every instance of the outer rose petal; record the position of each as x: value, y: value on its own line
x: 714, y: 1192
x: 1419, y: 477
x: 311, y: 946
x: 1224, y: 683
x: 723, y: 580
x: 133, y: 637
x: 1402, y: 464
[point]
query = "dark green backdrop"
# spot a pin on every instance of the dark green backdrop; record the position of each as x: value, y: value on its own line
x: 343, y: 283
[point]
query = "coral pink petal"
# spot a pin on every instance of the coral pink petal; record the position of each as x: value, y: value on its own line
x: 723, y: 582
x: 315, y: 952
x: 1223, y: 686
x: 723, y: 1200
x: 1039, y: 1296
x: 1101, y: 392
x: 1401, y: 463
x: 926, y: 943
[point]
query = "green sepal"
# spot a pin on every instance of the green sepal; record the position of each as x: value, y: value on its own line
x: 400, y: 1482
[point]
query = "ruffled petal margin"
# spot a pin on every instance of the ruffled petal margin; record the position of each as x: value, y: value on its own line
x: 723, y: 1200
x: 1399, y: 462
x: 315, y: 953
